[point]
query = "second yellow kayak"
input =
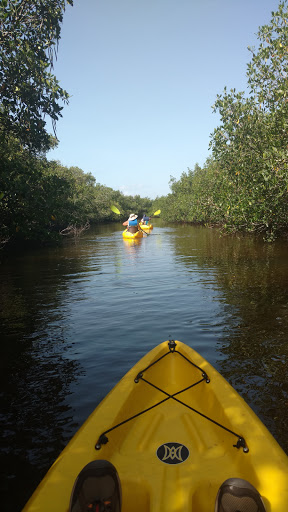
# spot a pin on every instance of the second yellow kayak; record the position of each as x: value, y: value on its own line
x: 146, y: 227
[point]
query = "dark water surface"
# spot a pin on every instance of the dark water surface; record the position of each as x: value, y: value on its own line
x: 74, y: 319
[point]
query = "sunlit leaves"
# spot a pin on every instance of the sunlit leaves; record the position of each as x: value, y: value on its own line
x: 29, y: 34
x: 252, y: 140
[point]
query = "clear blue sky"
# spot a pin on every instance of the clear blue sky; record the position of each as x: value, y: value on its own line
x: 143, y: 76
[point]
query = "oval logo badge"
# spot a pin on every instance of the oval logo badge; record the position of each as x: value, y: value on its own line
x: 172, y: 453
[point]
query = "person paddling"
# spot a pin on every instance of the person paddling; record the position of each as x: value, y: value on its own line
x: 145, y: 219
x: 132, y: 223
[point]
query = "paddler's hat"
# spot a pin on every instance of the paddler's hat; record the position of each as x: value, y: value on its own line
x: 132, y: 216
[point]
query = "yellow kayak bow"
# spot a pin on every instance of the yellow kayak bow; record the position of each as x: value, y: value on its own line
x: 175, y: 430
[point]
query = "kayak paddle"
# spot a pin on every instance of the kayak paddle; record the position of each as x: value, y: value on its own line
x: 114, y: 209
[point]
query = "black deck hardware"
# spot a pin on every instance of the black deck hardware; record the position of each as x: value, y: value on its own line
x: 241, y: 443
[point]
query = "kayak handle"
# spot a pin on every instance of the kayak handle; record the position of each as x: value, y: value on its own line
x: 172, y: 345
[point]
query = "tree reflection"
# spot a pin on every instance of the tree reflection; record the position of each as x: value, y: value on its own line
x: 35, y: 378
x: 251, y: 278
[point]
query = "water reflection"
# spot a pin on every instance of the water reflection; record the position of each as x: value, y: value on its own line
x: 35, y: 376
x: 252, y: 278
x: 76, y: 318
x: 132, y: 250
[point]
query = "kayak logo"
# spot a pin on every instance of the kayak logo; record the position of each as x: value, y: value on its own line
x: 172, y: 453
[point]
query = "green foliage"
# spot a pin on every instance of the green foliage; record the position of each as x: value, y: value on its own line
x: 245, y: 185
x: 29, y: 34
x: 250, y: 146
x: 40, y: 198
x: 200, y: 196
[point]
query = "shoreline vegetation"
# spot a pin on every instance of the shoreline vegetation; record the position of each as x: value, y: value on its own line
x: 242, y: 187
x: 44, y: 202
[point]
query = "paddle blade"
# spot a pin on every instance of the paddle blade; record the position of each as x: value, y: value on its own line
x: 157, y: 213
x: 114, y: 209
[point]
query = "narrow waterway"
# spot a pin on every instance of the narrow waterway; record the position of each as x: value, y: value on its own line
x: 74, y: 319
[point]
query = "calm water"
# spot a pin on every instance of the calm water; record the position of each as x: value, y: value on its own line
x: 75, y: 319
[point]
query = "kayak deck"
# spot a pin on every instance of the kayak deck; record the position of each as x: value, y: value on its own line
x: 132, y: 236
x: 168, y: 456
x: 146, y: 227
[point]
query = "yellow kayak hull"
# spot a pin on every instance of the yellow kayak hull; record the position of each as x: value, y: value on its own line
x: 146, y: 227
x: 171, y: 457
x: 132, y: 236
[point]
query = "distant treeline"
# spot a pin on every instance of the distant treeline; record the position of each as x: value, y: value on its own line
x: 42, y: 200
x: 244, y: 185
